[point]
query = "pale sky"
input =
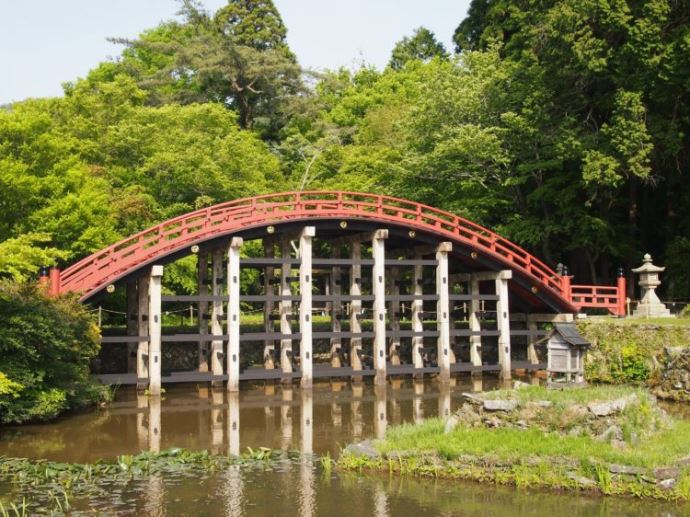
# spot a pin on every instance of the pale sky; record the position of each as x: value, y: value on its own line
x: 46, y: 42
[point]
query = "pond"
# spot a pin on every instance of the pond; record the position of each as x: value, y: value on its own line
x: 315, y: 422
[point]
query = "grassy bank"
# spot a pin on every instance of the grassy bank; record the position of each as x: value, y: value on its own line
x: 548, y: 440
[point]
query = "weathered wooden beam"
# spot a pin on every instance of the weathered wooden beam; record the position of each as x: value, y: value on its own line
x: 202, y: 277
x: 217, y: 312
x: 132, y: 325
x: 155, y: 324
x: 443, y: 311
x: 355, y: 305
x: 475, y: 325
x: 233, y: 281
x: 394, y: 315
x: 336, y: 310
x: 269, y: 345
x: 503, y: 323
x: 378, y: 250
x: 285, y: 308
x: 417, y: 318
x: 305, y: 320
x: 143, y: 327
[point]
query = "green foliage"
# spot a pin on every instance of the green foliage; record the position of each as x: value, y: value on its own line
x: 422, y: 45
x: 46, y: 345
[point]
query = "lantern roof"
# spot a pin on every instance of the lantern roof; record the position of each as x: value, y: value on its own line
x: 647, y: 266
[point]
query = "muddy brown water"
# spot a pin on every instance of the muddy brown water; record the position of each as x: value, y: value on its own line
x: 315, y: 422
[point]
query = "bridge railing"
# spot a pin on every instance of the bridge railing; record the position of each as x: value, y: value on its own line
x: 96, y: 270
x: 611, y: 298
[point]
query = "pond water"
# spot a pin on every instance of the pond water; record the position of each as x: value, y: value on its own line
x: 315, y: 422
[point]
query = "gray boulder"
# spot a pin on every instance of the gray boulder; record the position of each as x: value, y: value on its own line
x: 500, y: 405
x: 365, y: 448
x: 609, y: 408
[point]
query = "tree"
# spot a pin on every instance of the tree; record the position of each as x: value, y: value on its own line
x: 238, y: 57
x: 422, y: 45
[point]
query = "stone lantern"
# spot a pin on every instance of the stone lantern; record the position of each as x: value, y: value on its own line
x: 566, y: 349
x: 650, y: 306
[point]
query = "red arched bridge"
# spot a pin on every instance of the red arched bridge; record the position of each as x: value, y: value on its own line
x: 465, y: 256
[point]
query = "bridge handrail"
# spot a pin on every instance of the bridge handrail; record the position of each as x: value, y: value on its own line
x: 178, y: 230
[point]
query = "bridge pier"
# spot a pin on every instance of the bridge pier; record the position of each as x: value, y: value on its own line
x: 217, y: 316
x: 202, y: 307
x: 305, y: 320
x: 442, y: 311
x: 285, y: 309
x: 233, y: 322
x: 269, y: 344
x: 143, y: 331
x: 355, y: 305
x: 394, y: 315
x: 378, y: 284
x: 336, y: 310
x: 417, y: 311
x: 155, y: 325
x: 475, y: 325
x: 503, y: 323
x: 132, y: 325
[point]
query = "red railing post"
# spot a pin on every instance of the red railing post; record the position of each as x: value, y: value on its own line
x: 54, y: 284
x: 43, y: 280
x: 566, y: 288
x: 622, y: 292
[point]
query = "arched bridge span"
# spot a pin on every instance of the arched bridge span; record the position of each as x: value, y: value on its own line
x: 476, y: 247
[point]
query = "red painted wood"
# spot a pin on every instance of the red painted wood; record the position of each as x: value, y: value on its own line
x: 93, y: 273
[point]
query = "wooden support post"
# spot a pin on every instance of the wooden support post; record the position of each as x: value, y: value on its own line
x: 378, y: 283
x: 217, y: 315
x: 269, y: 344
x: 202, y: 277
x: 233, y: 280
x: 394, y: 315
x: 503, y: 323
x: 143, y: 330
x: 155, y: 325
x: 285, y: 309
x: 356, y: 305
x: 443, y: 311
x: 531, y: 349
x: 417, y: 309
x: 305, y: 316
x: 336, y: 310
x: 475, y: 324
x: 132, y: 325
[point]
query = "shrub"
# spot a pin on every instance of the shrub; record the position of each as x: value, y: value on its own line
x: 46, y: 345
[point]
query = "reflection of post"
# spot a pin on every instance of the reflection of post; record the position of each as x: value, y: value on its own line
x: 356, y: 305
x: 155, y: 496
x: 307, y: 422
x: 396, y: 385
x: 380, y: 501
x: 380, y: 415
x: 154, y: 424
x: 233, y: 424
x: 477, y: 384
x: 378, y: 287
x: 234, y: 492
x: 233, y: 280
x: 216, y: 421
x: 336, y: 414
x: 307, y: 493
x: 444, y: 401
x: 356, y: 411
x: 417, y: 402
x: 286, y: 418
x: 142, y: 431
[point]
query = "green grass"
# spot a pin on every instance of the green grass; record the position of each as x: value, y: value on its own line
x: 565, y: 396
x: 507, y: 444
x: 673, y: 321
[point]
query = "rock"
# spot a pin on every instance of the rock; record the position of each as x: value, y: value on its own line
x: 365, y: 448
x: 518, y: 385
x: 468, y: 414
x: 521, y: 424
x: 398, y: 455
x: 613, y: 432
x: 451, y: 423
x: 684, y: 461
x: 581, y: 480
x: 609, y: 408
x: 577, y: 411
x: 667, y: 484
x: 666, y: 473
x: 473, y: 399
x: 626, y: 469
x: 493, y: 421
x: 500, y: 405
x: 575, y: 431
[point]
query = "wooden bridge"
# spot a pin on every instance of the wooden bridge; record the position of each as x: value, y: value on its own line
x: 385, y: 274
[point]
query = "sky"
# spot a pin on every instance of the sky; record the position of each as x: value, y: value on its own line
x: 46, y: 42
